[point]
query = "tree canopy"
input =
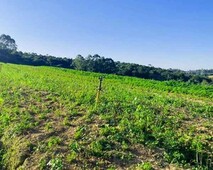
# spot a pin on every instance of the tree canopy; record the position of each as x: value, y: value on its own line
x: 6, y: 42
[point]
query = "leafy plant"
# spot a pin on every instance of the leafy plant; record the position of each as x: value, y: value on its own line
x: 55, y: 164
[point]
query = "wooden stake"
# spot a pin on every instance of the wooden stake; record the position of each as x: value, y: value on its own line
x: 99, y: 89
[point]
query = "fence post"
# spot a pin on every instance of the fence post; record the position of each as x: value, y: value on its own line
x: 99, y: 89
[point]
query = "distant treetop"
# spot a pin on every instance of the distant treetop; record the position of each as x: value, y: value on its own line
x: 6, y: 42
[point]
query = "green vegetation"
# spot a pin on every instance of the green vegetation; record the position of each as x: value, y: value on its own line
x: 6, y: 42
x: 206, y: 72
x: 49, y: 120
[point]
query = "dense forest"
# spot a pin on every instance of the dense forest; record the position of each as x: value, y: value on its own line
x: 94, y: 63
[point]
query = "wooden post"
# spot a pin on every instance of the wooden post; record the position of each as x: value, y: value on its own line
x: 99, y: 89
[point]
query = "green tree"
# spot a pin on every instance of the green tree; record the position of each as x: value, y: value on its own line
x: 79, y: 63
x: 6, y: 42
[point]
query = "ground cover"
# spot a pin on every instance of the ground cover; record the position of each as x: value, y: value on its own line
x: 49, y: 120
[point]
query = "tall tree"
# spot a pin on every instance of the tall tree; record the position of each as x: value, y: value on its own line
x: 6, y: 42
x: 79, y: 63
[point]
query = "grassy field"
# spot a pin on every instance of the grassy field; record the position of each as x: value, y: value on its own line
x: 49, y: 120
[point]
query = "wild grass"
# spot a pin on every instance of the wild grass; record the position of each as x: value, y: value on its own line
x: 49, y: 120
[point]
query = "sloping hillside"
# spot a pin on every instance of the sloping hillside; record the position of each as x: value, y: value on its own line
x: 49, y: 120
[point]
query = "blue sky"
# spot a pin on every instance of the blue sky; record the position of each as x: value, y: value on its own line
x: 164, y: 33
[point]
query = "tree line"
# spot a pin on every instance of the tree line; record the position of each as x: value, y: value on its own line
x: 203, y: 72
x: 94, y: 63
